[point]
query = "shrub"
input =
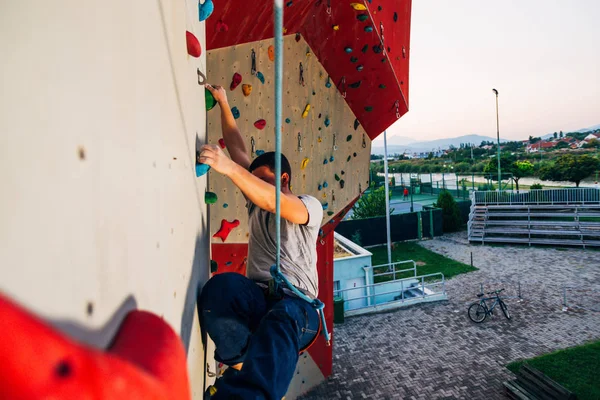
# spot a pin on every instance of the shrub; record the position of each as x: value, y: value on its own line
x: 450, y: 211
x: 536, y: 186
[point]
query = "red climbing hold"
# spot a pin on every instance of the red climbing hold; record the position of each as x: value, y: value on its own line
x: 235, y: 81
x: 260, y: 124
x: 222, y: 143
x: 221, y: 26
x: 193, y: 45
x: 226, y: 228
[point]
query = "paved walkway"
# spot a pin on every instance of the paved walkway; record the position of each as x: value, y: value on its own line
x: 433, y: 351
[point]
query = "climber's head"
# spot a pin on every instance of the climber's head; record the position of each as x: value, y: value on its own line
x: 263, y: 167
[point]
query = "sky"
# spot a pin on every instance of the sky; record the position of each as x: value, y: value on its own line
x: 543, y: 57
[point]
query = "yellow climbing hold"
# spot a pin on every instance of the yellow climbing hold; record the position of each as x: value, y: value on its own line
x: 319, y: 139
x: 336, y: 27
x: 306, y: 110
x: 304, y: 163
x: 358, y: 6
x: 247, y: 89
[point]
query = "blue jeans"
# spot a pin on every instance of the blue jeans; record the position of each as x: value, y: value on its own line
x: 265, y: 334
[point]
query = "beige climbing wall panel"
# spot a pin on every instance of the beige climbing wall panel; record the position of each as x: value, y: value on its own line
x: 350, y: 156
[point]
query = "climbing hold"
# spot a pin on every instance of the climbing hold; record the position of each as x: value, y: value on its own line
x: 348, y: 50
x: 362, y: 17
x: 319, y: 139
x: 355, y: 85
x: 330, y: 213
x: 331, y: 159
x: 356, y: 124
x: 205, y: 10
x: 368, y: 108
x: 360, y: 68
x: 382, y: 86
x: 209, y: 99
x: 320, y: 186
x: 342, y: 183
x: 325, y: 185
x: 348, y: 138
x: 353, y: 59
x: 365, y: 48
x: 201, y: 169
x: 246, y: 89
x: 235, y: 112
x: 354, y: 154
x: 289, y: 3
x: 225, y: 205
x: 395, y: 17
x: 226, y: 228
x: 260, y: 152
x: 298, y: 36
x: 325, y: 161
x: 348, y: 159
x: 271, y: 52
x: 377, y: 49
x: 325, y: 206
x: 193, y: 45
x: 213, y: 266
x: 221, y: 26
x: 222, y: 143
x: 328, y: 82
x: 319, y: 115
x: 358, y: 6
x: 210, y: 198
x: 368, y: 29
x: 343, y: 173
x: 306, y: 110
x: 235, y: 81
x: 287, y: 120
x: 304, y: 163
x: 336, y: 27
x: 260, y: 77
x: 337, y: 177
x: 260, y: 124
x: 327, y: 122
x: 228, y: 263
x: 379, y: 8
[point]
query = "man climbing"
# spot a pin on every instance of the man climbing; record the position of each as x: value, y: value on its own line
x: 259, y: 330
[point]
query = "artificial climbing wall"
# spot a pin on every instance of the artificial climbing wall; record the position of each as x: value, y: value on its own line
x: 101, y: 210
x: 328, y: 151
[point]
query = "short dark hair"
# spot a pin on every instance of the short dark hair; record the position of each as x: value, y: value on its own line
x: 268, y: 159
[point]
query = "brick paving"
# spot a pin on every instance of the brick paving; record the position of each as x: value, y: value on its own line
x: 433, y: 350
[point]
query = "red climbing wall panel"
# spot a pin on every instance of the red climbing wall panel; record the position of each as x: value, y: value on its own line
x: 382, y: 96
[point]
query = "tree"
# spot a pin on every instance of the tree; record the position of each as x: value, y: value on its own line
x: 593, y: 143
x: 556, y: 135
x: 561, y: 134
x: 521, y: 169
x: 491, y: 167
x: 561, y: 145
x: 450, y: 211
x: 570, y: 168
x: 371, y: 204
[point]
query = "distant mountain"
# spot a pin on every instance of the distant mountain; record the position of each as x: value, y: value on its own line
x: 591, y: 128
x: 443, y: 144
x: 394, y: 140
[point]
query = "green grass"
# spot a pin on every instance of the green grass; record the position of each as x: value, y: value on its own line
x: 577, y: 369
x: 432, y: 262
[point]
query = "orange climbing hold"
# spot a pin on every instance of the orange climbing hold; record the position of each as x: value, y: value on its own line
x: 145, y: 361
x: 247, y: 89
x: 226, y: 228
x: 193, y: 45
x: 271, y: 52
x: 235, y: 81
x: 261, y: 123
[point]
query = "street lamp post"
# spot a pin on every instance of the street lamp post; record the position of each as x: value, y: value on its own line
x: 498, y: 135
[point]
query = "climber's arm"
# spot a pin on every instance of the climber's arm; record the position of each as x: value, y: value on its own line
x: 231, y: 134
x: 257, y: 191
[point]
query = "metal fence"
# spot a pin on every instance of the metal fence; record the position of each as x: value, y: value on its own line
x: 574, y: 196
x: 392, y: 271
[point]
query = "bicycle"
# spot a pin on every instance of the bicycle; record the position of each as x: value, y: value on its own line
x: 479, y: 311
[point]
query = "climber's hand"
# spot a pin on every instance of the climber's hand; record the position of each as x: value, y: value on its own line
x: 218, y: 93
x: 213, y: 155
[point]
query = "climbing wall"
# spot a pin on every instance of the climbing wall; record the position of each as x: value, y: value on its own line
x: 101, y: 210
x: 328, y: 150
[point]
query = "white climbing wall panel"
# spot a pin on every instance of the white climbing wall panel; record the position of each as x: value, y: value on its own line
x: 350, y: 161
x: 100, y: 210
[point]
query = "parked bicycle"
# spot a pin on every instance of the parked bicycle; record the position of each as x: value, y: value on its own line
x: 479, y: 311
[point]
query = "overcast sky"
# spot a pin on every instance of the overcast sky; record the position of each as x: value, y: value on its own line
x: 543, y: 56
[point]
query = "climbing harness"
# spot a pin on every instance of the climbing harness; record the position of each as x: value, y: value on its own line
x: 278, y: 278
x: 253, y: 56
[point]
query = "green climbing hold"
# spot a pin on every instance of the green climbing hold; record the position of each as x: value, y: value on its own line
x: 395, y: 17
x: 362, y: 17
x: 365, y: 48
x: 353, y: 59
x: 337, y: 177
x: 379, y: 8
x: 349, y: 158
x: 213, y: 266
x: 348, y: 138
x: 330, y: 213
x: 355, y: 85
x: 209, y: 99
x: 368, y: 108
x: 356, y: 124
x: 210, y: 198
x: 287, y: 120
x: 382, y: 86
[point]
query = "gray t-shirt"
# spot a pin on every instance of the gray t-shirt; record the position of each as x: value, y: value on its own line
x: 298, y: 246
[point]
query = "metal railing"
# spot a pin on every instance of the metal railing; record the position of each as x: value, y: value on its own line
x: 424, y: 287
x: 574, y: 196
x: 581, y: 298
x: 394, y: 270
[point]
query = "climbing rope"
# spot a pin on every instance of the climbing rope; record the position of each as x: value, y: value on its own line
x: 278, y: 277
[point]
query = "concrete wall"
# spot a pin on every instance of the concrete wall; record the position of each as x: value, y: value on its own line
x: 100, y: 208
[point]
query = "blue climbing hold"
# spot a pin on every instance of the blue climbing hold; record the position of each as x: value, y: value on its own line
x: 289, y: 3
x: 260, y: 77
x: 320, y: 186
x: 260, y: 152
x: 225, y: 205
x: 325, y: 161
x: 327, y: 122
x: 235, y: 112
x: 325, y: 184
x: 331, y: 159
x: 368, y: 29
x: 205, y: 10
x: 360, y: 68
x: 287, y: 120
x: 202, y: 169
x: 353, y: 59
x: 348, y: 50
x: 325, y: 206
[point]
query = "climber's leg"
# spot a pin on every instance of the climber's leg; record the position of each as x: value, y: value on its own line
x: 231, y: 307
